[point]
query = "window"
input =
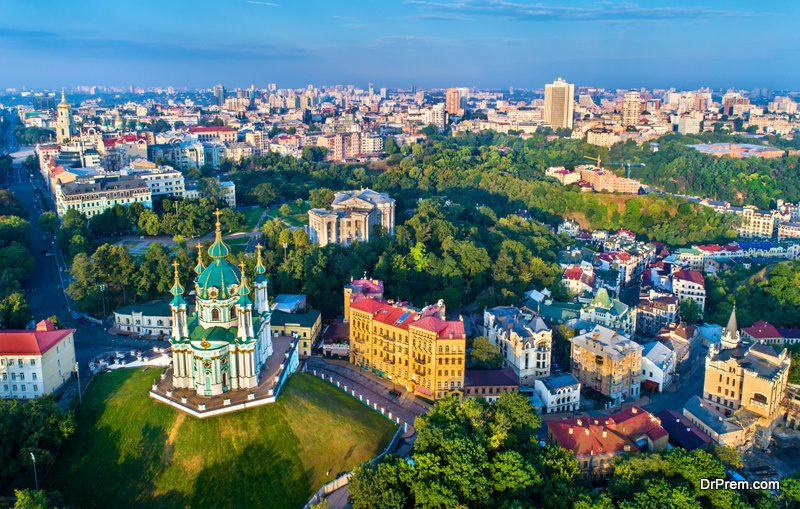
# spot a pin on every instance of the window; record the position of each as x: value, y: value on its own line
x: 19, y: 361
x: 33, y: 362
x: 22, y: 388
x: 5, y: 376
x: 59, y: 363
x: 33, y: 376
x: 22, y: 376
x: 13, y: 387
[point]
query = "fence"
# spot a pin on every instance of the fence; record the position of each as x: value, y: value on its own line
x: 344, y: 480
x: 352, y: 392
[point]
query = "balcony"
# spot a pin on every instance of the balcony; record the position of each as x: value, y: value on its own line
x: 758, y: 404
x: 389, y: 349
x: 388, y: 361
x: 359, y: 340
x: 388, y: 339
x: 420, y: 372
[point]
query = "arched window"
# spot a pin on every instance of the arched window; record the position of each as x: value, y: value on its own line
x: 233, y: 312
x: 215, y: 315
x: 760, y: 398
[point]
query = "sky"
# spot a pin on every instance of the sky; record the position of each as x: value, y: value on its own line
x: 396, y: 44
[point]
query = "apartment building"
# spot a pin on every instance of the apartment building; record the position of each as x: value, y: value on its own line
x: 756, y: 223
x: 605, y: 180
x: 559, y: 104
x: 601, y: 137
x: 655, y: 311
x: 489, y: 384
x: 162, y: 181
x: 92, y: 196
x: 213, y: 133
x: 607, y: 361
x: 416, y: 349
x: 352, y: 218
x: 35, y: 362
x: 689, y: 284
x: 524, y: 340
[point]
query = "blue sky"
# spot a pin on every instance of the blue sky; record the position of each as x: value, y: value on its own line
x: 430, y: 43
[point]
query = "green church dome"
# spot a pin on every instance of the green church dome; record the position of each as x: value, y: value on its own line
x: 216, y: 280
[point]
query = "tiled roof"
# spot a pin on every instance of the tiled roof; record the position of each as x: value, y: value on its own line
x: 598, y: 435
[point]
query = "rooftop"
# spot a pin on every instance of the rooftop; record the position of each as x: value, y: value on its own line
x: 32, y: 341
x: 487, y: 377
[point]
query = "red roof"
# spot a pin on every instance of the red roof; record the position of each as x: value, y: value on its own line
x: 403, y: 317
x: 32, y: 341
x: 762, y: 330
x: 598, y: 435
x: 369, y: 285
x: 690, y: 275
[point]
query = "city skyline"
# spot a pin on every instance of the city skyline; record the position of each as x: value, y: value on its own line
x: 483, y: 43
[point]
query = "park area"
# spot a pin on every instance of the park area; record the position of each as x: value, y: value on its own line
x: 131, y: 451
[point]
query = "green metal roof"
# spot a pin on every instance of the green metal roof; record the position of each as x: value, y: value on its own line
x: 221, y: 274
x: 281, y: 319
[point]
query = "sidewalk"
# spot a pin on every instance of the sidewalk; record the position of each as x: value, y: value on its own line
x: 404, y: 407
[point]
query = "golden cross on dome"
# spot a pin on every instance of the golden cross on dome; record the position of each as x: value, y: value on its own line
x: 217, y: 214
x: 175, y: 264
x: 259, y: 246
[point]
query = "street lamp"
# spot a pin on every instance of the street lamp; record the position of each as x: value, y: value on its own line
x: 78, y: 372
x: 103, y: 289
x: 35, y: 475
x: 285, y: 245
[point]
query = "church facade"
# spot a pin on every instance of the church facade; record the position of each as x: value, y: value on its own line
x: 225, y: 343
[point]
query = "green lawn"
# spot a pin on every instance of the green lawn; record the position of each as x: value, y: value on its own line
x: 298, y: 220
x: 251, y: 217
x: 295, y: 209
x: 130, y: 451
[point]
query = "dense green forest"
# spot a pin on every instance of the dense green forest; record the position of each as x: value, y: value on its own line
x: 486, y: 455
x: 16, y: 262
x: 770, y: 293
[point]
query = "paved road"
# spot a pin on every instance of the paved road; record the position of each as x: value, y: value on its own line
x: 44, y: 289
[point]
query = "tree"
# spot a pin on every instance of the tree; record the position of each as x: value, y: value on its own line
x: 56, y: 322
x: 15, y: 312
x: 232, y: 220
x: 390, y: 147
x: 485, y: 355
x: 691, y: 311
x: 321, y: 198
x: 727, y: 455
x: 285, y: 210
x: 48, y: 222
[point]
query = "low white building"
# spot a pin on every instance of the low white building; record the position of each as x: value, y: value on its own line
x: 151, y: 319
x: 559, y: 394
x: 658, y: 366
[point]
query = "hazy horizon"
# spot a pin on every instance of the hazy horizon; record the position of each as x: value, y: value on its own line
x: 431, y: 44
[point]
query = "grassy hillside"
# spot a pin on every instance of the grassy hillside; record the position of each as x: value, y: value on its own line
x: 130, y: 451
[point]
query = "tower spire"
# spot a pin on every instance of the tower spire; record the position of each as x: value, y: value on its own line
x: 219, y: 249
x: 177, y: 289
x: 199, y: 268
x: 260, y: 270
x: 730, y: 336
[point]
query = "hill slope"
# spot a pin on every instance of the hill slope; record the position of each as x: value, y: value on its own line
x: 130, y: 451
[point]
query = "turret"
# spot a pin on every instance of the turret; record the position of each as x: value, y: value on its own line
x: 730, y: 336
x: 180, y: 328
x: 260, y: 283
x: 199, y: 268
x: 244, y: 308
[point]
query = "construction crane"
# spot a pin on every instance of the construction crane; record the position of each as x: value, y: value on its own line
x: 626, y: 164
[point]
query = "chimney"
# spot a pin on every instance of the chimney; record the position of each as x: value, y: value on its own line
x: 580, y: 423
x: 570, y: 430
x: 605, y: 433
x: 634, y: 410
x: 586, y: 430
